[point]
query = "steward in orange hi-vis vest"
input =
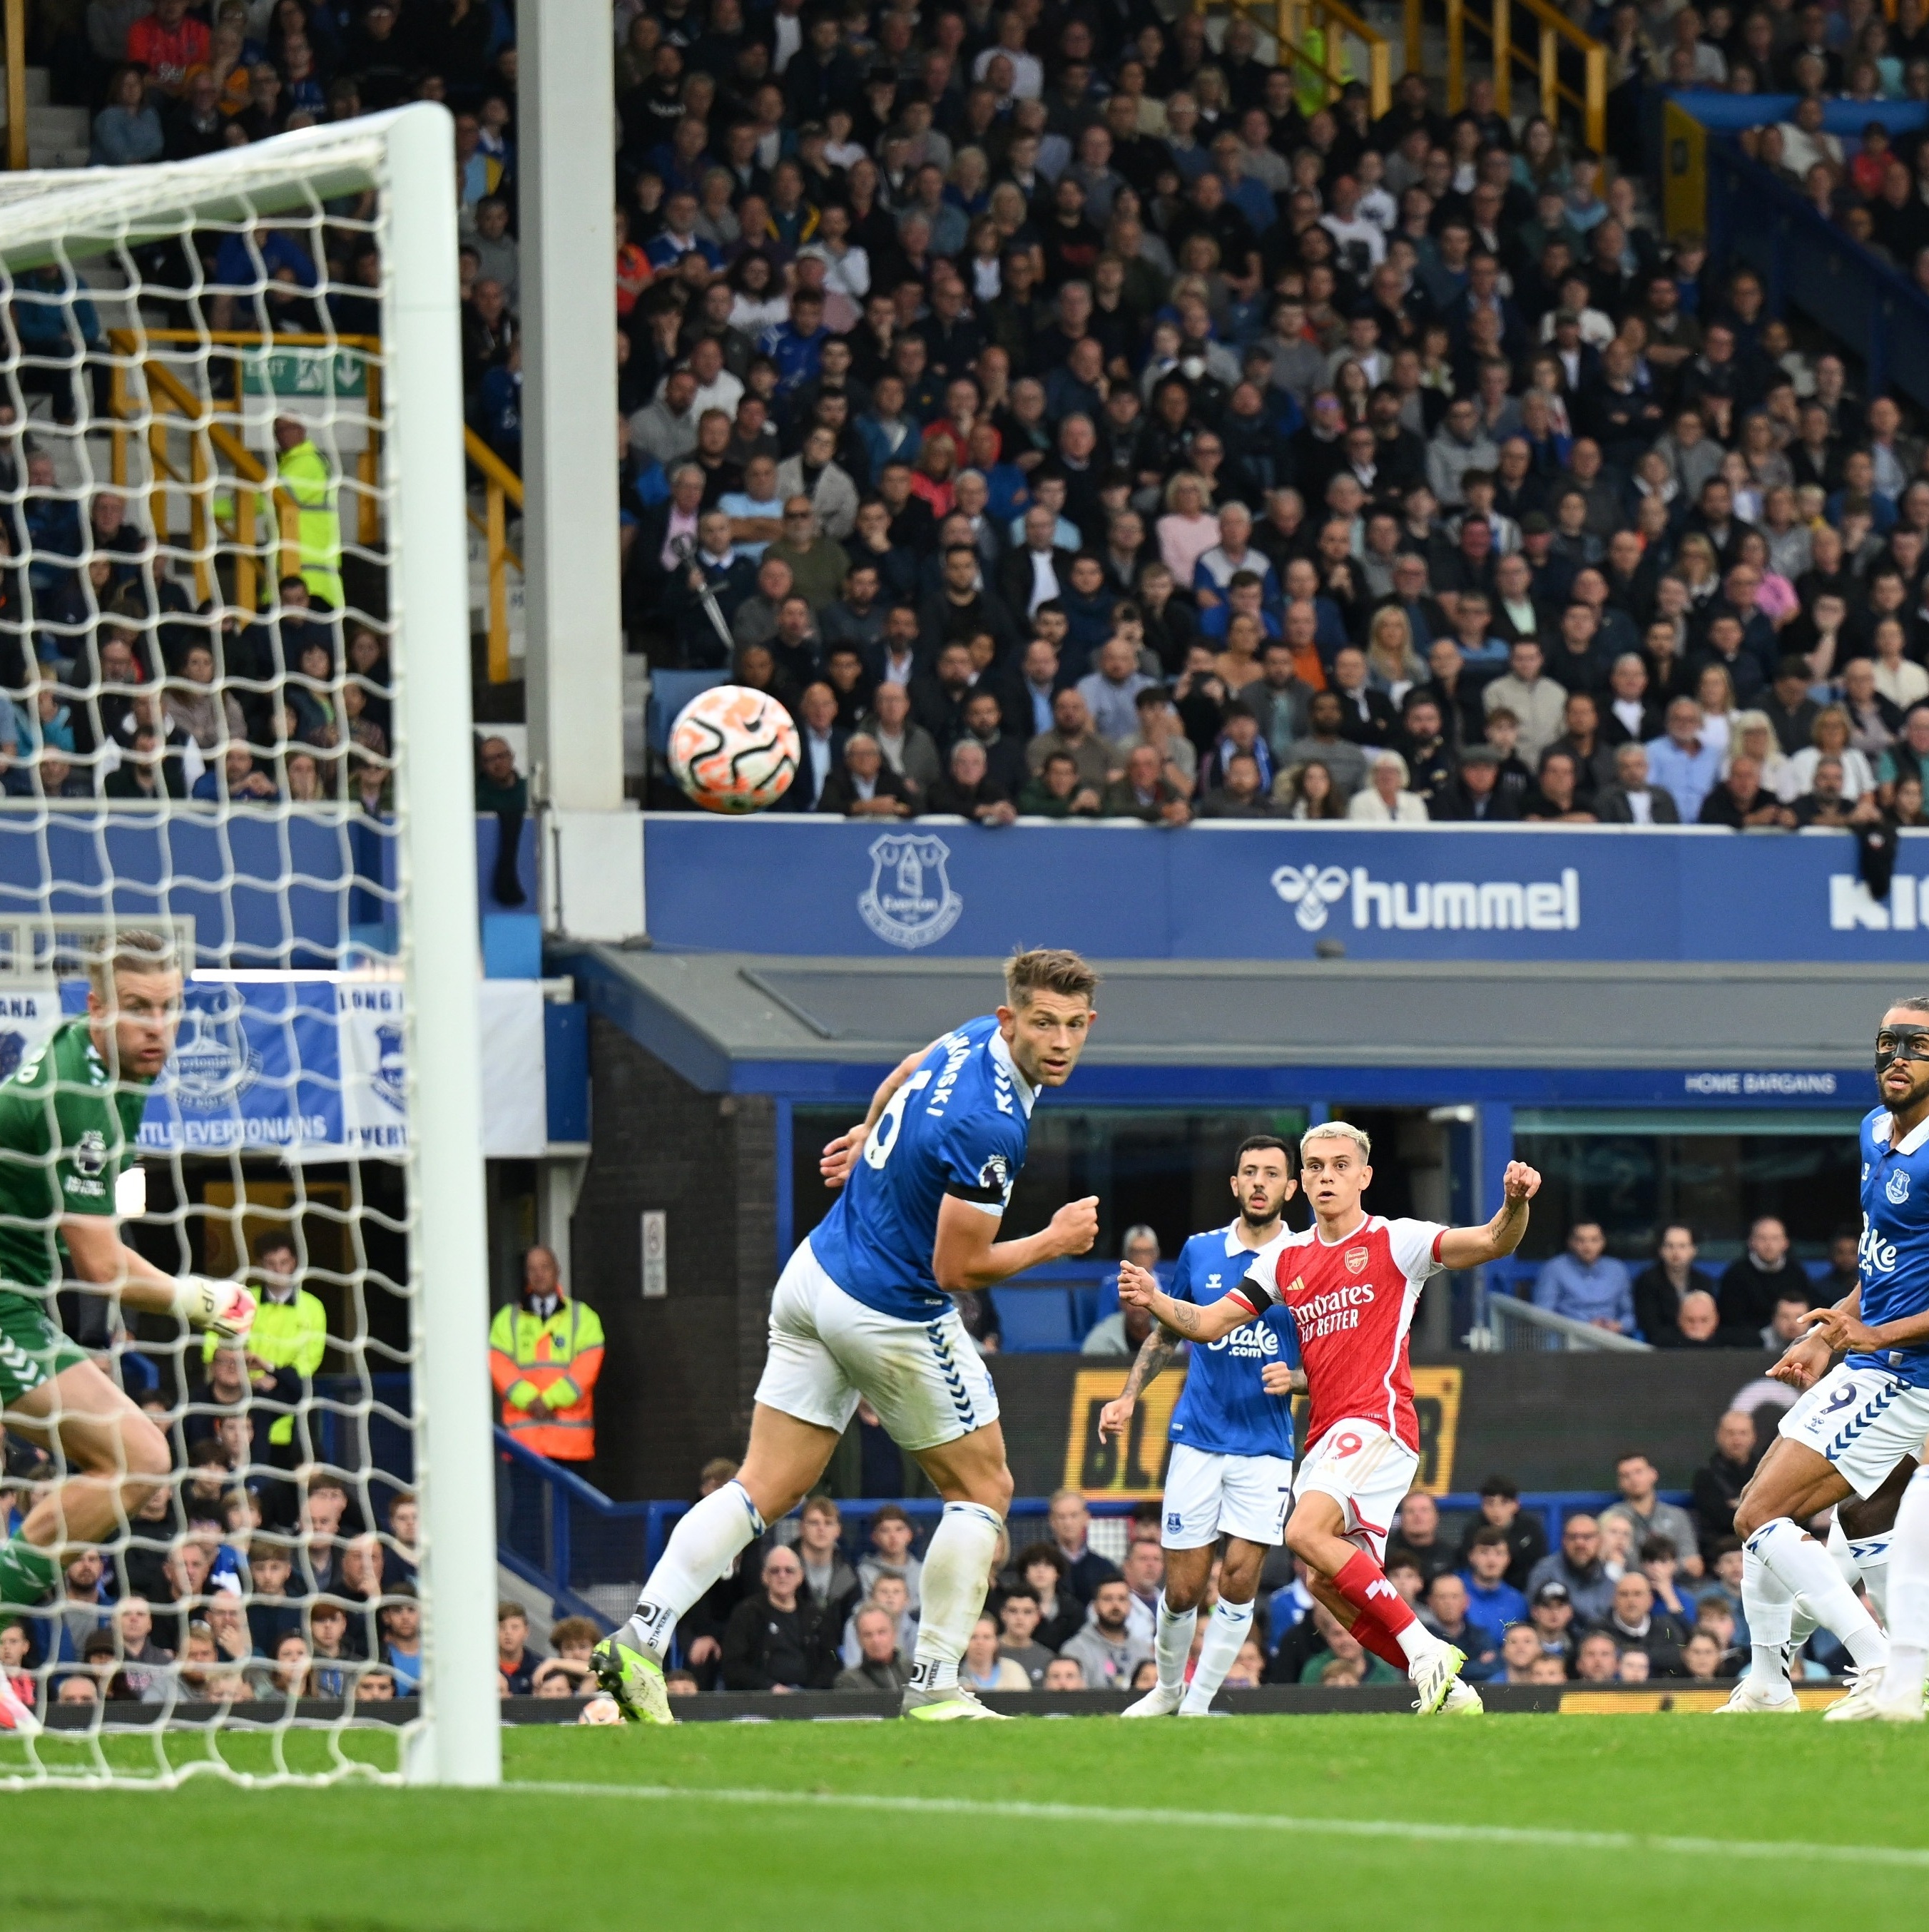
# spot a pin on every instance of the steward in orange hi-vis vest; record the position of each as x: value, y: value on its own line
x: 545, y: 1353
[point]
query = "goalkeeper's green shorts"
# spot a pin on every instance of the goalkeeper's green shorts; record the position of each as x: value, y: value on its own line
x: 33, y: 1348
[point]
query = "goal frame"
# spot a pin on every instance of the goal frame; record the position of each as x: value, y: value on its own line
x: 409, y: 154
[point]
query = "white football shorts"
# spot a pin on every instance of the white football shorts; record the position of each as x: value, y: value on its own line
x: 827, y: 1349
x: 1367, y: 1472
x: 1864, y: 1421
x: 1208, y: 1496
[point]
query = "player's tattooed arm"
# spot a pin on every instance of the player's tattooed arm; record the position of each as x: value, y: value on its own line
x: 1471, y: 1247
x: 1154, y: 1352
x: 1139, y: 1289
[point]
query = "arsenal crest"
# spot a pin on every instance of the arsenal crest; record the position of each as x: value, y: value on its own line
x: 1356, y: 1260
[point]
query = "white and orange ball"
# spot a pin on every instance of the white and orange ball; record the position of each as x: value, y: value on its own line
x: 733, y: 749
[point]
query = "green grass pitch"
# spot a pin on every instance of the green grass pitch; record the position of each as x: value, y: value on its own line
x: 1498, y: 1824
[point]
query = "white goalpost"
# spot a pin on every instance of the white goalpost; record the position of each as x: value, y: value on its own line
x: 235, y: 645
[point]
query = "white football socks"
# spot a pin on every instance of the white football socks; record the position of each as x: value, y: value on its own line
x: 1172, y: 1643
x: 1770, y: 1609
x: 1227, y: 1628
x: 706, y: 1541
x: 957, y: 1573
x: 1908, y: 1595
x: 1803, y: 1568
x: 1871, y: 1556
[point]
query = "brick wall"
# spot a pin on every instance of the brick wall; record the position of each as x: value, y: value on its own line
x: 680, y: 1372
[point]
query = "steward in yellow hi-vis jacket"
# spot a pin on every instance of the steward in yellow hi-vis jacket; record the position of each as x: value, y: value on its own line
x: 545, y: 1353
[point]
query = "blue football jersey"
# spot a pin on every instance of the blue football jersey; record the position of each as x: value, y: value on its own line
x: 1223, y: 1409
x: 958, y: 1125
x: 1893, y: 1261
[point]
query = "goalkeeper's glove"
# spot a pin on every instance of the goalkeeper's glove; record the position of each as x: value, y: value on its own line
x: 225, y: 1307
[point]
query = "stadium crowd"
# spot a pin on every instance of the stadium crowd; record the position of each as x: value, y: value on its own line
x: 1645, y: 1588
x: 1064, y: 412
x: 1063, y: 415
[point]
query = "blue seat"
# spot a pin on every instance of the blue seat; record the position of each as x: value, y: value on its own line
x: 670, y: 691
x: 1036, y: 1321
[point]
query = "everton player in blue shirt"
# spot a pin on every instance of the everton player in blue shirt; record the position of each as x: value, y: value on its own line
x: 1231, y: 1470
x: 863, y: 1310
x: 1884, y: 1327
x: 1851, y: 1428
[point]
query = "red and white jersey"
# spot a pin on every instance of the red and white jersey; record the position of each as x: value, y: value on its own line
x: 1352, y: 1302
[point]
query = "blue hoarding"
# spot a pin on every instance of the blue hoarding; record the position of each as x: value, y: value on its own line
x: 939, y: 888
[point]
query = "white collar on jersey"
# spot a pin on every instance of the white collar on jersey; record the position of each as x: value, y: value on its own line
x: 1235, y: 1245
x: 1002, y: 1054
x: 1911, y: 1143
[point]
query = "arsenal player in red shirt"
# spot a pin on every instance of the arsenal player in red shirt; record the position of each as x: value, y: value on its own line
x: 1351, y: 1283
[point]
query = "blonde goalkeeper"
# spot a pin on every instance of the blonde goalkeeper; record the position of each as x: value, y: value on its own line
x: 70, y: 1121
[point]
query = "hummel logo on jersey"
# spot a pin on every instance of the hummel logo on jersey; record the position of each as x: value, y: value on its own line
x: 1356, y: 1258
x: 1897, y: 1190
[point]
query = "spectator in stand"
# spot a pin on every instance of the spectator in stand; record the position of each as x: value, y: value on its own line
x: 1577, y: 1567
x: 1645, y: 1514
x: 1416, y: 1537
x: 890, y: 1554
x: 1018, y: 1622
x: 1755, y: 1281
x: 1635, y: 1622
x: 888, y: 1594
x: 881, y: 1665
x: 1551, y: 1614
x: 776, y: 1641
x: 1445, y: 1614
x: 1491, y: 1599
x: 1683, y: 763
x: 1500, y: 1509
x: 1659, y: 1287
x: 1586, y: 1283
x: 1070, y: 1522
x: 513, y: 1658
x: 1105, y: 1651
x: 865, y: 787
x: 1719, y: 1482
x: 829, y: 1582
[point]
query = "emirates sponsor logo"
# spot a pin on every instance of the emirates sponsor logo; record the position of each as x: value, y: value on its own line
x: 1335, y: 1302
x: 1356, y: 1259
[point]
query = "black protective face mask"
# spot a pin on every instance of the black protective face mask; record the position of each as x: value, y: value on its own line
x: 1901, y: 1043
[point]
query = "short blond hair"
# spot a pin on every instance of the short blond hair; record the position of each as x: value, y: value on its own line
x: 1338, y: 1130
x: 135, y: 949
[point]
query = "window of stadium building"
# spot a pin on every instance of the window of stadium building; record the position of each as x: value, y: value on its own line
x: 1636, y: 1173
x: 1165, y: 1168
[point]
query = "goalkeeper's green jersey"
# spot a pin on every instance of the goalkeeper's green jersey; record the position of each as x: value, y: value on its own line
x: 67, y: 1127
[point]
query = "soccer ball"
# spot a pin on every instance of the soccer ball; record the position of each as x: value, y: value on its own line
x: 734, y: 749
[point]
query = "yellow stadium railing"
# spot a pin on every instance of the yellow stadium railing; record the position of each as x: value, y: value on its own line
x: 1551, y: 31
x: 1313, y: 35
x: 219, y: 511
x: 501, y: 488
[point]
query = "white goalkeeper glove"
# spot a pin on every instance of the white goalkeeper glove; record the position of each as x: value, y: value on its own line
x: 225, y: 1307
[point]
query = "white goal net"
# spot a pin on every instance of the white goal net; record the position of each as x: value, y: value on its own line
x: 234, y: 705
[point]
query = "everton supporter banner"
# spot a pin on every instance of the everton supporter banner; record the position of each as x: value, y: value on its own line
x: 298, y: 1064
x: 945, y: 887
x: 1136, y: 1467
x: 308, y: 1065
x: 1550, y: 1421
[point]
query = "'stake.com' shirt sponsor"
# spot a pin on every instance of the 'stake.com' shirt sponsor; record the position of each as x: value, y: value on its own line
x: 1352, y: 1302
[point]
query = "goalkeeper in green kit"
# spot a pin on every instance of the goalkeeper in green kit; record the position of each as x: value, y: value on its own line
x: 70, y: 1121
